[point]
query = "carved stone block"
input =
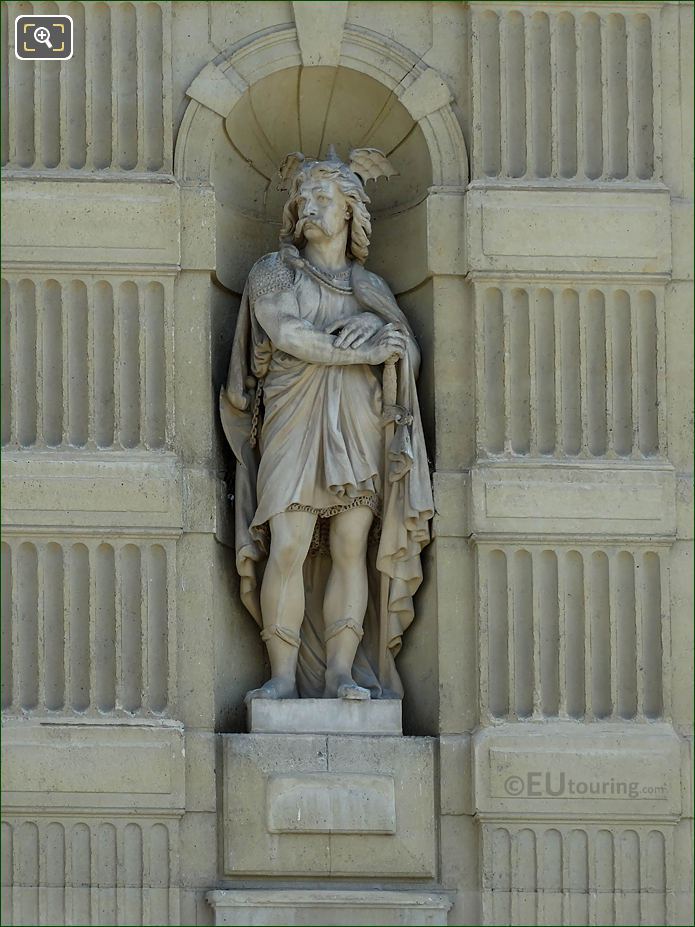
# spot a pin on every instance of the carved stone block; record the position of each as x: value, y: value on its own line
x: 318, y: 907
x: 324, y: 716
x: 353, y: 805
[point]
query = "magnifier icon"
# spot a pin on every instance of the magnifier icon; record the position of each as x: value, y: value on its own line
x: 43, y: 35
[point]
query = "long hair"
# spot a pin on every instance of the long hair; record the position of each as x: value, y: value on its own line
x: 349, y: 184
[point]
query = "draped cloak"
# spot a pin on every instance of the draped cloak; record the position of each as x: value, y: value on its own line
x: 404, y: 518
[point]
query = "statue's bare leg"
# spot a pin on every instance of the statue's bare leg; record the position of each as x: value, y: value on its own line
x: 345, y: 602
x: 282, y: 601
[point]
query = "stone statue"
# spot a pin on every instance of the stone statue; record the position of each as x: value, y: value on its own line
x: 332, y: 492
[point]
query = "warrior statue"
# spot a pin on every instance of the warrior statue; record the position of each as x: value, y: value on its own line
x: 332, y: 493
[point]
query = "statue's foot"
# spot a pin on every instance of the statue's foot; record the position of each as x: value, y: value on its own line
x: 341, y: 686
x: 352, y: 691
x: 275, y: 688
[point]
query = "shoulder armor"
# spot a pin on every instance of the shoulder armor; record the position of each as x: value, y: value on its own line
x: 268, y: 275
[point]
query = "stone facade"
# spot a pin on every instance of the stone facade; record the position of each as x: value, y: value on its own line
x: 539, y: 238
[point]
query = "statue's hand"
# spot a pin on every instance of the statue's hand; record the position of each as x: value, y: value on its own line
x: 355, y: 330
x: 390, y: 342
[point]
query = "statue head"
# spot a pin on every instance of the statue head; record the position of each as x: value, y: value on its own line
x: 325, y: 196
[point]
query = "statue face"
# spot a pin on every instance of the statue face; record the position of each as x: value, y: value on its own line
x: 322, y: 208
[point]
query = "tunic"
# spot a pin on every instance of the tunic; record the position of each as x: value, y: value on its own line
x: 322, y: 448
x: 322, y: 437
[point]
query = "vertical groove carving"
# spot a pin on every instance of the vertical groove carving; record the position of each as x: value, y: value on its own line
x: 78, y: 362
x: 571, y: 874
x: 578, y: 853
x: 655, y: 887
x: 495, y: 363
x: 104, y: 399
x: 26, y: 378
x: 76, y: 80
x: 520, y: 372
x: 105, y: 631
x: 26, y: 872
x: 501, y: 876
x: 80, y: 871
x: 566, y: 96
x: 22, y: 114
x: 498, y: 654
x: 105, y: 109
x: 564, y: 99
x: 511, y: 661
x: 641, y: 84
x: 549, y: 632
x: 7, y: 890
x: 651, y: 631
x: 54, y: 632
x: 647, y: 366
x: 159, y: 874
x: 622, y: 374
x: 523, y: 639
x: 153, y: 128
x: 131, y: 626
x: 571, y: 406
x: 157, y: 615
x: 544, y: 380
x: 4, y: 86
x: 572, y: 633
x: 81, y: 371
x: 6, y: 363
x: 629, y: 898
x: 595, y: 342
x: 47, y: 121
x: 490, y: 92
x: 550, y: 875
x: 54, y: 878
x: 624, y: 618
x: 575, y: 631
x: 125, y: 60
x: 155, y: 367
x: 601, y: 651
x: 86, y: 872
x: 592, y: 106
x: 52, y: 364
x: 572, y: 372
x: 25, y: 620
x: 524, y: 876
x: 541, y: 98
x: 107, y: 868
x: 142, y: 346
x: 91, y: 355
x: 79, y: 627
x: 133, y: 873
x: 99, y: 66
x: 513, y: 94
x: 604, y: 876
x: 7, y: 628
x: 617, y: 99
x: 129, y: 365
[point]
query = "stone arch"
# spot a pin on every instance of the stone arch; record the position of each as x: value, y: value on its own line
x: 409, y: 86
x: 423, y: 92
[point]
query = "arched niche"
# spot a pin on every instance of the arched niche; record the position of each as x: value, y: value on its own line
x: 306, y: 109
x: 257, y: 102
x: 248, y: 108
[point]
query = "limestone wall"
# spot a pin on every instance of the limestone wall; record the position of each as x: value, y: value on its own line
x: 539, y: 237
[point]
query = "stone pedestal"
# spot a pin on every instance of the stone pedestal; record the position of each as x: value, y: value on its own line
x: 318, y: 907
x: 329, y: 805
x: 323, y: 907
x: 325, y: 716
